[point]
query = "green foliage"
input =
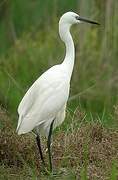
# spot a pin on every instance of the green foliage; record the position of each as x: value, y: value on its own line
x: 114, y: 171
x: 95, y: 72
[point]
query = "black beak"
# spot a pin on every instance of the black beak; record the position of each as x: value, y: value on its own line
x: 86, y: 20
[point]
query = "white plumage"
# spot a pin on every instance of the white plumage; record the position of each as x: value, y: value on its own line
x: 46, y: 99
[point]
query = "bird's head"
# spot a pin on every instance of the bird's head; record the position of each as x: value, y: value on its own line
x: 67, y: 20
x: 70, y: 18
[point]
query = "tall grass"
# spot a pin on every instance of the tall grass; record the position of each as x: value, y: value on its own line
x: 94, y: 83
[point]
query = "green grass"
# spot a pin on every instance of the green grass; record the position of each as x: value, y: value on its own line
x: 93, y: 82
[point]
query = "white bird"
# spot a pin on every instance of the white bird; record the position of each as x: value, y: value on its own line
x: 44, y: 104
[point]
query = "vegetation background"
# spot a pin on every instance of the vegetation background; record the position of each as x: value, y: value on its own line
x: 30, y: 44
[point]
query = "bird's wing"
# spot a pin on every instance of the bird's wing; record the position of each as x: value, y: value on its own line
x: 43, y: 100
x: 31, y: 95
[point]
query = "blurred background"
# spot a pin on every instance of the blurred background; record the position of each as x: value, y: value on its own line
x: 30, y: 44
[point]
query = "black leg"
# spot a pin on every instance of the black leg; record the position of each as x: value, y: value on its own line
x: 48, y: 145
x: 39, y: 147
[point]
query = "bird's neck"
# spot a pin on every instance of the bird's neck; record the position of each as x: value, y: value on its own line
x: 66, y: 37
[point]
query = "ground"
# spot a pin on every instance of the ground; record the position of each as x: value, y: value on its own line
x: 88, y: 152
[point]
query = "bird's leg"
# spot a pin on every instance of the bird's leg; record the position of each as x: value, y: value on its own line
x: 48, y: 145
x: 39, y: 147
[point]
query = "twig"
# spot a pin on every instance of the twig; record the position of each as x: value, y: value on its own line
x: 13, y: 80
x: 81, y: 93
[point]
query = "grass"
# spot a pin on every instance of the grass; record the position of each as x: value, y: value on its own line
x: 16, y: 74
x: 89, y: 151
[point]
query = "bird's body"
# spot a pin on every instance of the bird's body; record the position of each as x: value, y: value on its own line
x: 44, y: 104
x: 44, y: 101
x: 47, y: 97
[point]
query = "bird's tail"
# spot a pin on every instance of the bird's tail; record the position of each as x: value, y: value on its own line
x: 19, y: 124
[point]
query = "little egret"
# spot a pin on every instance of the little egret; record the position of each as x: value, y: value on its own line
x: 43, y: 107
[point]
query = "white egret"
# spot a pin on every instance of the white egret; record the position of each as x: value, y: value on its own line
x: 44, y: 104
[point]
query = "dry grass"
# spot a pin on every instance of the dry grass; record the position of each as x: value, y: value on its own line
x: 90, y: 150
x: 91, y: 147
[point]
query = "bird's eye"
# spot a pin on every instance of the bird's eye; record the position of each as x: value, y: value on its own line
x: 77, y: 17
